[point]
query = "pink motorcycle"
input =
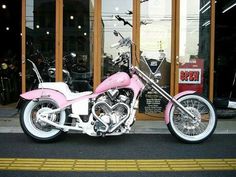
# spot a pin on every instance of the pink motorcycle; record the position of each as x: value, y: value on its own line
x: 53, y: 108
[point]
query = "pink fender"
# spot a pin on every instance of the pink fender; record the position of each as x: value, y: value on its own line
x: 169, y: 105
x: 46, y: 93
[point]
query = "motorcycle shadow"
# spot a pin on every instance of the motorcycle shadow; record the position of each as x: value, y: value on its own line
x: 125, y: 139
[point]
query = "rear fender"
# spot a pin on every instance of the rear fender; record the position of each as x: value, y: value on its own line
x: 58, y: 97
x: 169, y: 105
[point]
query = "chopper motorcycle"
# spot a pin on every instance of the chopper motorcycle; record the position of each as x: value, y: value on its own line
x: 53, y: 108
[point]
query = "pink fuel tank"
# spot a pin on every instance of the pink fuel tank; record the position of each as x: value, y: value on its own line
x: 120, y: 79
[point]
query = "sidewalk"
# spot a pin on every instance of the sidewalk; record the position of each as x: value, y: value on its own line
x: 224, y: 126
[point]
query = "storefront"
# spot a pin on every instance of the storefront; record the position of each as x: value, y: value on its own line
x: 54, y: 30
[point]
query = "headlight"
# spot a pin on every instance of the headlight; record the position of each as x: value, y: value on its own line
x: 4, y: 66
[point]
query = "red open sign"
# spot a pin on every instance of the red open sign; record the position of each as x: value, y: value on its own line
x: 191, y: 76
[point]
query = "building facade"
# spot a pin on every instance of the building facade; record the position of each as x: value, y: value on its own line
x: 183, y: 30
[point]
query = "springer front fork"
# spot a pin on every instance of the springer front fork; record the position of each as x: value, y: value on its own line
x: 162, y: 92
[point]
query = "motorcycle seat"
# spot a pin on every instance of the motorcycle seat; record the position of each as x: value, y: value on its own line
x: 64, y: 89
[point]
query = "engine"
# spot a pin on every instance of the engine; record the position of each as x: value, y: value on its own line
x: 111, y: 110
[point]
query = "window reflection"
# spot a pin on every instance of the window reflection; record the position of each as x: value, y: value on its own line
x: 194, y: 46
x: 40, y: 39
x: 110, y: 9
x: 225, y: 51
x: 155, y: 39
x: 155, y: 45
x: 78, y: 40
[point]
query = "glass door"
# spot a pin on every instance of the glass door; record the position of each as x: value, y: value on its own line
x: 78, y: 16
x: 193, y: 55
x: 155, y: 47
x: 113, y: 11
x: 40, y: 39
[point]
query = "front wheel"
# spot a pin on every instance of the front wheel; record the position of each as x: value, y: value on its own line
x: 34, y: 127
x: 190, y: 130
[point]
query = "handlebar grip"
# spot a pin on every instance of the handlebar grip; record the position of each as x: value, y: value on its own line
x: 116, y: 59
x: 115, y: 45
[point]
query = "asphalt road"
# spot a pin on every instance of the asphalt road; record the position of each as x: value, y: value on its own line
x: 126, y: 147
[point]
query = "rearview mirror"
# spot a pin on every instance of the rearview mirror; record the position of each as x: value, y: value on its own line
x: 115, y: 33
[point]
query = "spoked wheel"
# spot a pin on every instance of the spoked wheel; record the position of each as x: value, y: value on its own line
x: 192, y: 130
x: 36, y: 128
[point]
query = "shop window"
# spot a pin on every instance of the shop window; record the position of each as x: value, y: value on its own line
x: 40, y: 39
x: 225, y: 50
x: 78, y: 40
x: 10, y: 51
x: 194, y: 46
x: 110, y: 9
x: 155, y: 46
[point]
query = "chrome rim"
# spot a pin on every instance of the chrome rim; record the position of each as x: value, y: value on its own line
x: 199, y: 127
x: 40, y: 108
x: 39, y: 128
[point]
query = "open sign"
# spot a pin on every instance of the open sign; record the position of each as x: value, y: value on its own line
x: 189, y: 75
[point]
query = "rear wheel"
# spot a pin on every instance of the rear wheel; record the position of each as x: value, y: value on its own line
x: 37, y: 129
x: 191, y: 130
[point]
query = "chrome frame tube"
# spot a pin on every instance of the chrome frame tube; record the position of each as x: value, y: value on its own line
x: 44, y: 117
x: 118, y: 124
x: 162, y: 92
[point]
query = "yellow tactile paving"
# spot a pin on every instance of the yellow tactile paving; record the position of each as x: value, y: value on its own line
x: 31, y: 164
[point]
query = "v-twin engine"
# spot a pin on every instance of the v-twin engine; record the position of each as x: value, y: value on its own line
x: 111, y: 110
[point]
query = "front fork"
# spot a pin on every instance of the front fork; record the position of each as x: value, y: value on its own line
x: 163, y: 92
